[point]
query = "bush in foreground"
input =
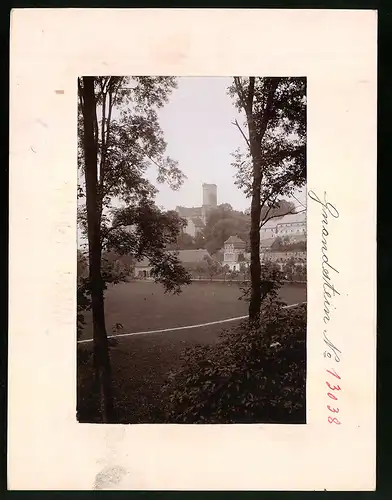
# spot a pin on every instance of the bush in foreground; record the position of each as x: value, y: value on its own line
x: 251, y: 375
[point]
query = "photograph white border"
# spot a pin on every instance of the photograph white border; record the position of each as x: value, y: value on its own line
x: 47, y: 448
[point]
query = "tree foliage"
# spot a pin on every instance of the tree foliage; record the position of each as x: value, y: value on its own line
x: 184, y: 241
x: 294, y: 270
x: 273, y: 163
x: 241, y: 257
x: 129, y: 141
x: 223, y: 222
x: 83, y: 292
x: 82, y: 265
x: 212, y: 266
x: 270, y: 284
x: 276, y: 108
x: 287, y: 245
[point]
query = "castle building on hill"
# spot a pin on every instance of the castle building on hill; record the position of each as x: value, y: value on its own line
x: 196, y: 217
x: 292, y: 226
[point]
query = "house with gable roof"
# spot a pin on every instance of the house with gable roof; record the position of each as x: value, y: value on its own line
x: 233, y: 248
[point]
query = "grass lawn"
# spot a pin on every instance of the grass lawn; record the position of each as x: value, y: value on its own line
x: 141, y: 363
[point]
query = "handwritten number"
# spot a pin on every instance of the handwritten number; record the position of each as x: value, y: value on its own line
x: 333, y: 420
x: 332, y: 372
x: 333, y: 387
x: 333, y: 410
x: 332, y: 396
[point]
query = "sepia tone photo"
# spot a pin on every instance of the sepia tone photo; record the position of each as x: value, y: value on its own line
x: 180, y: 276
x: 191, y: 258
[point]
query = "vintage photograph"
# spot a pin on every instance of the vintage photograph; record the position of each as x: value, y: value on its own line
x: 191, y: 253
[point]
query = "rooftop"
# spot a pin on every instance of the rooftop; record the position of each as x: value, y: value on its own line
x: 192, y: 255
x: 287, y: 219
x: 185, y: 256
x: 143, y: 263
x: 235, y: 240
x: 266, y: 243
x: 189, y: 211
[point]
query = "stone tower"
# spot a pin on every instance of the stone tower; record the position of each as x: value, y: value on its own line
x: 209, y: 195
x: 209, y: 200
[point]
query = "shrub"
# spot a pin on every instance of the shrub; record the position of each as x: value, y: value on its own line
x: 251, y: 375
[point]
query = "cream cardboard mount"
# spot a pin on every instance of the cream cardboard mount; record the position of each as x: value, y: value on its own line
x: 336, y: 51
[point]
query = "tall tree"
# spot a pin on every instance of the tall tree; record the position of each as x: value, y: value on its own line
x: 119, y: 139
x: 274, y: 162
x: 93, y: 204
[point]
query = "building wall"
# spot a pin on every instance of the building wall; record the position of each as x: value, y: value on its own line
x: 291, y: 229
x: 204, y: 211
x: 190, y: 227
x: 290, y: 225
x: 282, y: 230
x: 230, y: 256
x: 142, y: 272
x: 267, y: 233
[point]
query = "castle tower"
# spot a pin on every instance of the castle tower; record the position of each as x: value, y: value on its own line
x: 209, y: 200
x: 209, y: 195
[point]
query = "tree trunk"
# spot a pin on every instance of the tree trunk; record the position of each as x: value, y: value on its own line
x: 255, y: 212
x: 255, y: 265
x: 102, y: 367
x: 256, y: 134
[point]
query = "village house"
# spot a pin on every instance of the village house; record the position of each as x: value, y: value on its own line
x: 233, y: 248
x: 143, y: 269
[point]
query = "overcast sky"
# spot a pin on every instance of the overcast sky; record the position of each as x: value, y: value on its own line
x: 197, y: 125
